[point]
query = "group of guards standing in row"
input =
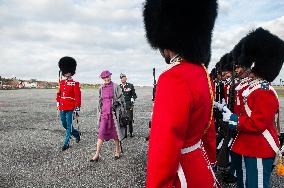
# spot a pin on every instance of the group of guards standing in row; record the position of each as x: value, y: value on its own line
x: 182, y: 146
x: 247, y: 109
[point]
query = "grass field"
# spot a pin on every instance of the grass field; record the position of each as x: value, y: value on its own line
x: 279, y: 90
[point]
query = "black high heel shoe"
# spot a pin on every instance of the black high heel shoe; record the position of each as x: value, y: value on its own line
x: 95, y: 160
x: 117, y: 156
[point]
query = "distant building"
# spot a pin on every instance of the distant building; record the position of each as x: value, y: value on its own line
x: 42, y: 84
x: 10, y: 83
x: 28, y: 84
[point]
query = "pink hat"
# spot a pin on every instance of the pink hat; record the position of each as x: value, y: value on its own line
x: 105, y: 74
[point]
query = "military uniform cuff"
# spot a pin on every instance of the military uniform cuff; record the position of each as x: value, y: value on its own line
x: 234, y: 121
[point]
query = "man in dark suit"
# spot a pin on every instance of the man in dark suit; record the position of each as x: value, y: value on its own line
x: 130, y: 96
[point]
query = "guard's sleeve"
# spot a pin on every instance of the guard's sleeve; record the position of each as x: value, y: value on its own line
x: 77, y: 92
x: 58, y: 96
x: 134, y: 96
x: 262, y: 112
x: 209, y: 137
x: 209, y: 142
x: 169, y: 123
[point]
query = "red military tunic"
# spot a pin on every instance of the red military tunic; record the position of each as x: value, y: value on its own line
x: 180, y: 119
x: 69, y: 95
x: 239, y: 100
x: 262, y: 106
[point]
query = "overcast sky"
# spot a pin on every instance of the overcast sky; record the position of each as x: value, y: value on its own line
x: 108, y: 34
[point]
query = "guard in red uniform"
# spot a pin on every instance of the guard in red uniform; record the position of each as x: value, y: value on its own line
x: 242, y: 69
x: 183, y: 138
x: 257, y: 143
x: 226, y: 67
x: 68, y: 98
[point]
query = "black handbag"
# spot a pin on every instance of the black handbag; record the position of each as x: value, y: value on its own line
x: 123, y: 119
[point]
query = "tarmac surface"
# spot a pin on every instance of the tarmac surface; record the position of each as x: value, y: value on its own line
x: 32, y: 137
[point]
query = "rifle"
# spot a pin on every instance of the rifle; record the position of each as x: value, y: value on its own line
x: 153, y: 97
x: 218, y: 117
x: 154, y: 84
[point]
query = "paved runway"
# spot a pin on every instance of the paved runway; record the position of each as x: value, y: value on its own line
x: 32, y: 137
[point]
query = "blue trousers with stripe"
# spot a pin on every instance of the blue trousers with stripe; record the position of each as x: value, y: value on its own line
x: 66, y: 119
x: 252, y: 172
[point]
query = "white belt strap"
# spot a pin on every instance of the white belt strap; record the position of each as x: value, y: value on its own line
x: 270, y: 140
x: 282, y: 149
x: 181, y: 177
x: 68, y: 98
x: 241, y: 86
x: 191, y: 148
x: 220, y: 144
x: 180, y: 171
x: 248, y: 110
x: 252, y: 90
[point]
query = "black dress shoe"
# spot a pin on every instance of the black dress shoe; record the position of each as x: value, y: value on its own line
x: 78, y: 138
x: 131, y: 135
x: 65, y: 147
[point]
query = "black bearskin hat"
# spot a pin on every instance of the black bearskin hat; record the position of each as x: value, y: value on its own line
x: 266, y: 51
x: 67, y: 65
x: 240, y: 58
x: 236, y: 52
x: 226, y: 62
x: 218, y: 67
x: 183, y: 26
x: 213, y: 74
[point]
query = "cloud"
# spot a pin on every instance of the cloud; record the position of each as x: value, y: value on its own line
x: 107, y: 34
x: 99, y: 34
x: 224, y: 6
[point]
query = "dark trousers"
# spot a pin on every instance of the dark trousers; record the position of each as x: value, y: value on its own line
x: 130, y: 120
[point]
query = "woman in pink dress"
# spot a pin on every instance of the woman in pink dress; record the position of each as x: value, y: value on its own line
x: 111, y: 99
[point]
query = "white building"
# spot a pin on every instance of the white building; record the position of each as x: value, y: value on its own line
x: 27, y: 84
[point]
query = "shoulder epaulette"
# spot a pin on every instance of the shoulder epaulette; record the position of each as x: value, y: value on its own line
x: 264, y: 86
